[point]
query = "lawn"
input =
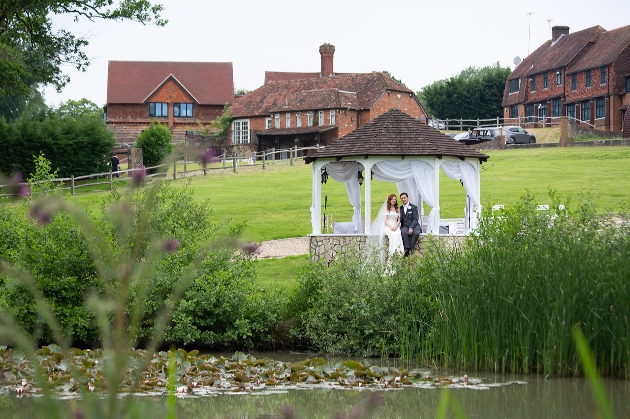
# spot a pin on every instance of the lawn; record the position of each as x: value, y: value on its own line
x: 275, y: 202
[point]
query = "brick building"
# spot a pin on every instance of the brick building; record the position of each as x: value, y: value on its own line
x: 583, y: 75
x: 179, y: 94
x: 308, y: 109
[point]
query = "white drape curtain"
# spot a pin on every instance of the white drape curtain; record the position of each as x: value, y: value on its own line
x: 347, y: 172
x: 417, y: 179
x: 466, y: 172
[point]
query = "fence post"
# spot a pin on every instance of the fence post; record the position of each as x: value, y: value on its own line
x: 273, y: 153
x: 223, y: 158
x: 291, y: 156
x: 461, y: 124
x: 234, y: 163
x: 111, y: 186
x: 185, y: 163
x: 72, y: 185
x: 264, y: 155
x: 175, y: 169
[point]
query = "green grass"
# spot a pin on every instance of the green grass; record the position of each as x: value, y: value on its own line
x: 275, y: 202
x: 280, y: 273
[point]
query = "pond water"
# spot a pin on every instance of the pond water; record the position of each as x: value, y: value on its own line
x: 526, y: 397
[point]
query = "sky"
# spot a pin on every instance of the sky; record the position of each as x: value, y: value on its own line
x: 418, y: 42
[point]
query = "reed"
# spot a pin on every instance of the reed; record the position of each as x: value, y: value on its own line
x: 508, y: 299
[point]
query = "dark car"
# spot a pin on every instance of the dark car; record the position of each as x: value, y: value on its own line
x: 477, y: 136
x: 517, y: 135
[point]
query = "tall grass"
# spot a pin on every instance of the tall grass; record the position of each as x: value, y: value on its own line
x: 508, y: 299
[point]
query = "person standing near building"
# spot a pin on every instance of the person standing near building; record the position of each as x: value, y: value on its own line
x: 115, y: 163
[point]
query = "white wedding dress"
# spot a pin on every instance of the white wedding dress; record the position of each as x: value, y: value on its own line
x: 394, y: 237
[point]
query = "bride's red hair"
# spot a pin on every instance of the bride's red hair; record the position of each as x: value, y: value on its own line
x: 389, y: 202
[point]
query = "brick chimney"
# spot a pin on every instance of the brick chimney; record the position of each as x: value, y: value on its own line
x: 556, y: 31
x: 327, y: 51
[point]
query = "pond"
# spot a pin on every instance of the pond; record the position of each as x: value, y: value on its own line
x: 500, y: 396
x: 480, y: 395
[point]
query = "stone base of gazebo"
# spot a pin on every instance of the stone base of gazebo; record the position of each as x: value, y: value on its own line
x: 328, y: 246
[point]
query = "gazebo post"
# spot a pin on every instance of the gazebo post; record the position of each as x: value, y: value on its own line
x: 367, y: 223
x: 316, y: 208
x: 436, y: 185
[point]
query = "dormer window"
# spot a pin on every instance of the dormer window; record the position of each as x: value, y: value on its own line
x: 589, y: 78
x: 558, y: 78
x: 287, y: 122
x: 515, y: 85
x: 298, y: 119
x: 277, y: 120
x: 320, y: 118
x: 332, y: 117
x: 309, y: 114
x: 602, y: 75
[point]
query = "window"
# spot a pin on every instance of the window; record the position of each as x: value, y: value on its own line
x: 545, y: 79
x: 240, y: 131
x: 573, y: 81
x: 589, y: 78
x: 627, y: 84
x: 288, y: 120
x: 555, y: 104
x: 268, y: 123
x: 183, y: 110
x: 515, y: 85
x: 533, y: 81
x: 558, y: 78
x: 298, y: 119
x: 571, y: 111
x: 529, y: 113
x: 309, y: 114
x: 542, y: 110
x: 585, y: 111
x: 514, y: 111
x: 332, y: 117
x: 158, y: 109
x: 320, y: 118
x: 600, y: 108
x: 277, y: 120
x: 602, y: 75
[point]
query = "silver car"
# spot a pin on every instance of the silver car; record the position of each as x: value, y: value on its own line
x: 517, y: 135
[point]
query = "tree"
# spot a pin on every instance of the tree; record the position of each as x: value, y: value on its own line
x: 30, y: 49
x: 156, y: 143
x: 473, y: 93
x: 222, y: 125
x: 79, y: 108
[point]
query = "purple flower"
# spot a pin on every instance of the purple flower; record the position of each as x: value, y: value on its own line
x: 138, y: 176
x: 40, y: 213
x: 251, y: 248
x: 16, y: 187
x: 170, y: 245
x: 288, y: 412
x: 207, y: 156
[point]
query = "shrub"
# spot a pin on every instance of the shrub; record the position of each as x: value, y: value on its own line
x: 156, y: 143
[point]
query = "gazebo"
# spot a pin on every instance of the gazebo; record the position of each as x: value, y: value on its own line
x: 397, y: 148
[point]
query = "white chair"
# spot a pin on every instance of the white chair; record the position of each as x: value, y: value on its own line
x: 542, y: 207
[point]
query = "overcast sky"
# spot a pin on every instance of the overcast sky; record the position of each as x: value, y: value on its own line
x: 417, y: 41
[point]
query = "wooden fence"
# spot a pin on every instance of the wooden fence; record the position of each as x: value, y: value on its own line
x: 182, y: 165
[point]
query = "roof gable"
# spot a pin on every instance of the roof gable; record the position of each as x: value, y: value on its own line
x: 608, y: 47
x: 396, y: 134
x: 170, y: 90
x: 133, y: 82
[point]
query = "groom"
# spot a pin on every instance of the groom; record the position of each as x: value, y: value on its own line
x: 410, y: 228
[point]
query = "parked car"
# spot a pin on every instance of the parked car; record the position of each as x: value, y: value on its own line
x: 517, y: 135
x: 478, y: 135
x: 436, y: 123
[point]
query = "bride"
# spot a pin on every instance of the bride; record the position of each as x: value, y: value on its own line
x: 391, y: 226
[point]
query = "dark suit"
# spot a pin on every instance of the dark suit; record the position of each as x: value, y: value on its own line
x: 408, y: 220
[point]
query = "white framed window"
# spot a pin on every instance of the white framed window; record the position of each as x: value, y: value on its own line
x: 332, y: 117
x: 267, y: 123
x: 298, y: 119
x: 277, y: 120
x: 309, y: 114
x: 240, y: 131
x: 288, y: 120
x: 320, y: 118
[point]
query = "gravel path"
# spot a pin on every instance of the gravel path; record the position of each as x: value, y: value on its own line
x: 283, y: 247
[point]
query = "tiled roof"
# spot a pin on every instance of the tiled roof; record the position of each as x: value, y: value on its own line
x: 396, y: 134
x: 564, y: 50
x: 608, y: 47
x: 319, y: 99
x: 287, y: 75
x: 368, y: 87
x: 298, y: 130
x: 134, y: 81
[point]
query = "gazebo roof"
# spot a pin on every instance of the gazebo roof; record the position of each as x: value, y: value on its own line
x: 396, y: 134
